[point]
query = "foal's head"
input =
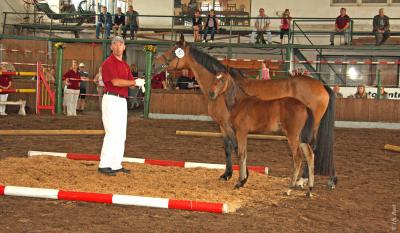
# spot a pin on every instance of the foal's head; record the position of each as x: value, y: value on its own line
x: 219, y: 85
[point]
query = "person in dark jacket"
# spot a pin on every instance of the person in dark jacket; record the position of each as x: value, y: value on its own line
x: 105, y: 19
x: 381, y: 27
x: 119, y: 22
x: 211, y: 25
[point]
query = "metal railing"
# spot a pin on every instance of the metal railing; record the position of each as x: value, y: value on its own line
x: 230, y: 25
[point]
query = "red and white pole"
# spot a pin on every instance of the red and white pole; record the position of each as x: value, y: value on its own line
x: 114, y: 199
x: 167, y: 163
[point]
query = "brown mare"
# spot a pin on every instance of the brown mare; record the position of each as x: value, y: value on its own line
x: 250, y: 114
x: 310, y: 92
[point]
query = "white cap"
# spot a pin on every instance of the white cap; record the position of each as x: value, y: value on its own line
x: 81, y: 64
x: 117, y: 39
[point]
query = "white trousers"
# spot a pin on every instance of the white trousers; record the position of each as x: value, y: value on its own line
x: 71, y: 100
x: 3, y: 98
x: 114, y: 115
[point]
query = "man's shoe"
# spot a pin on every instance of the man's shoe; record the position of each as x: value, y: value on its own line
x: 123, y: 170
x: 106, y: 171
x: 332, y: 44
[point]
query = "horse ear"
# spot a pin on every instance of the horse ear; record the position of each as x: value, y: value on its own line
x: 182, y: 38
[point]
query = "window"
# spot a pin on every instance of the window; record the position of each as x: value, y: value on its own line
x: 363, y: 2
x: 343, y: 1
x: 374, y: 1
x: 355, y: 74
x: 224, y: 8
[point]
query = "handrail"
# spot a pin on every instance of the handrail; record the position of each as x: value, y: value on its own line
x: 318, y: 51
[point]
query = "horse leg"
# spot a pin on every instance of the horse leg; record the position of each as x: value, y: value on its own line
x: 309, y: 156
x: 297, y: 161
x: 332, y: 182
x: 242, y: 152
x: 229, y: 140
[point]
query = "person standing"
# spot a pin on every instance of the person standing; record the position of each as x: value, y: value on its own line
x: 262, y: 26
x: 285, y: 25
x: 131, y: 22
x: 211, y: 25
x: 117, y: 77
x: 72, y: 80
x: 342, y: 25
x: 361, y: 93
x: 197, y: 26
x: 336, y: 90
x: 381, y: 27
x: 5, y: 84
x: 98, y: 79
x: 104, y: 19
x: 82, y: 87
x: 264, y: 71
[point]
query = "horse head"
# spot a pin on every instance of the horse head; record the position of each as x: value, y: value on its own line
x: 175, y: 57
x: 219, y: 85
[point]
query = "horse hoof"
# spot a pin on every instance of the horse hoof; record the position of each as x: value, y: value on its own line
x: 239, y: 184
x: 332, y: 182
x: 225, y: 177
x: 301, y: 183
x: 287, y: 193
x: 309, y: 194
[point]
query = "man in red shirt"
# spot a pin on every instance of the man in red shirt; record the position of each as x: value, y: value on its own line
x: 5, y: 83
x: 71, y: 93
x: 117, y: 77
x: 342, y: 25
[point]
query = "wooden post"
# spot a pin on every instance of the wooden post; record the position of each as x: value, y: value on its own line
x: 392, y: 148
x: 52, y: 132
x: 217, y: 135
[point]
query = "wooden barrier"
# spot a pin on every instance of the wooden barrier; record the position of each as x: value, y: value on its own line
x: 181, y: 102
x: 214, y: 134
x: 52, y: 132
x: 392, y: 148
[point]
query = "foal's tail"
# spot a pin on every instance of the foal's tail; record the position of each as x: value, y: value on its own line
x: 307, y: 135
x: 324, y: 163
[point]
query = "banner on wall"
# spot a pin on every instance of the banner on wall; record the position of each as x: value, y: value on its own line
x: 394, y: 93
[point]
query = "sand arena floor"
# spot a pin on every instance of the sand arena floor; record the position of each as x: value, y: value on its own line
x: 368, y: 191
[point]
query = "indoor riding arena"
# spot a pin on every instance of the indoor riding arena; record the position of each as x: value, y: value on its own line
x: 199, y: 116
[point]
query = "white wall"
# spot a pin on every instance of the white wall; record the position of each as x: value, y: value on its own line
x: 12, y: 6
x: 154, y: 7
x: 324, y: 9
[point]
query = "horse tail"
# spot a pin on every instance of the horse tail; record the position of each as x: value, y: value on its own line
x: 307, y: 135
x: 324, y: 162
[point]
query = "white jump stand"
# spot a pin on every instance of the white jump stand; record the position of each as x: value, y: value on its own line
x: 21, y: 104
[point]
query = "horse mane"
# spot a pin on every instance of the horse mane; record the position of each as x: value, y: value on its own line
x: 207, y: 61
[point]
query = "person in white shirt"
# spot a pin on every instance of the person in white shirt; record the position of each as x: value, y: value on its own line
x: 262, y: 26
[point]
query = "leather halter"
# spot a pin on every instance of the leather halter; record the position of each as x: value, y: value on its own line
x: 168, y: 60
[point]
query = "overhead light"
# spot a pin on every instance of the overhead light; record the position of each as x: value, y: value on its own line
x: 352, y: 72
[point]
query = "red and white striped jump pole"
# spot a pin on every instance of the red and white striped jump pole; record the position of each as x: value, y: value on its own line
x: 167, y: 163
x: 18, y: 73
x: 7, y: 91
x: 114, y: 199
